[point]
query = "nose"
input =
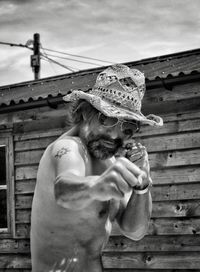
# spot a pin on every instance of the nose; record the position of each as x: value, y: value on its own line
x: 114, y: 132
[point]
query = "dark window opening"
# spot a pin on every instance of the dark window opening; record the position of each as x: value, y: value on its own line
x: 3, y: 189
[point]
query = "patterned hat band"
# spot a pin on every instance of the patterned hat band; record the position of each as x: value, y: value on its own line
x: 119, y: 98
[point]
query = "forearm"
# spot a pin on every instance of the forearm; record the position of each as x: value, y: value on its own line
x: 134, y: 219
x: 73, y: 192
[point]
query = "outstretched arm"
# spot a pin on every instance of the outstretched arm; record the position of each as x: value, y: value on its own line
x: 72, y: 187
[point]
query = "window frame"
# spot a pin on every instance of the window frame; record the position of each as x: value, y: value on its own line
x: 6, y: 139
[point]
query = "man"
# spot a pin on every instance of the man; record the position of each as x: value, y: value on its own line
x: 82, y: 187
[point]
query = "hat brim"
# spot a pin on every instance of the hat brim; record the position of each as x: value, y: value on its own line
x: 112, y: 110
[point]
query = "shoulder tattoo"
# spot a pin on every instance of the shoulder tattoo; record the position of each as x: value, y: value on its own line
x: 61, y: 152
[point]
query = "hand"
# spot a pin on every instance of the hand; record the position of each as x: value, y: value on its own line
x: 117, y: 180
x: 137, y: 154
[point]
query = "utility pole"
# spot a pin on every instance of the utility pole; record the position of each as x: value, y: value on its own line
x: 35, y: 58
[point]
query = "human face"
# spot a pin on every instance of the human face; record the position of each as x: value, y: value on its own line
x: 103, y: 141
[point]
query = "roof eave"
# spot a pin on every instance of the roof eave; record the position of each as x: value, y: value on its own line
x: 53, y: 102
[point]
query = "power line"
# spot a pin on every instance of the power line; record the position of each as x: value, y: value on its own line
x: 58, y: 63
x: 52, y: 67
x: 35, y: 58
x: 15, y: 44
x: 86, y: 62
x: 78, y: 56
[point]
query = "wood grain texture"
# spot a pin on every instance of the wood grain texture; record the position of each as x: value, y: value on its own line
x: 172, y: 243
x: 151, y: 260
x: 18, y: 261
x: 164, y: 243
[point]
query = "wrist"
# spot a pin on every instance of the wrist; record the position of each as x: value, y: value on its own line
x: 139, y: 191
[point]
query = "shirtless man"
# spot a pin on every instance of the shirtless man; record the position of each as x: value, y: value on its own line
x: 82, y: 187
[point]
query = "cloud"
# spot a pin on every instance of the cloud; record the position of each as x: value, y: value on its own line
x: 117, y: 30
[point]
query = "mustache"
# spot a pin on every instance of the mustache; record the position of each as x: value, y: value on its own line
x: 103, y: 138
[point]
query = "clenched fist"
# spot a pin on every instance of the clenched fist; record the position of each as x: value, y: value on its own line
x: 137, y: 154
x: 119, y: 179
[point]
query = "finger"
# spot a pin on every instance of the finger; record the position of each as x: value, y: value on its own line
x: 127, y: 178
x: 133, y: 168
x: 124, y: 181
x: 115, y: 192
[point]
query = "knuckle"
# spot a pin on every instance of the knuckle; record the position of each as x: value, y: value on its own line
x: 118, y: 166
x: 120, y: 163
x: 121, y: 160
x: 113, y: 175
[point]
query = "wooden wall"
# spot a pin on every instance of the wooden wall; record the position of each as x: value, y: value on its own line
x: 173, y: 240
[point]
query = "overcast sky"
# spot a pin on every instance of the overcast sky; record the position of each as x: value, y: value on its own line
x: 112, y: 30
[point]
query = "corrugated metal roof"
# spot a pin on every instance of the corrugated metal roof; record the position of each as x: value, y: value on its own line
x: 162, y: 67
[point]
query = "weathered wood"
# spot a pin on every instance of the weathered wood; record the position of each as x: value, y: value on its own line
x: 175, y: 126
x: 164, y: 107
x: 15, y: 270
x: 179, y: 92
x: 23, y: 215
x: 185, y: 174
x: 149, y: 270
x: 159, y: 193
x: 23, y: 201
x: 40, y: 125
x: 153, y: 144
x: 38, y: 135
x: 174, y: 158
x: 160, y: 243
x: 171, y: 209
x: 33, y: 114
x: 165, y: 176
x: 173, y: 123
x: 15, y: 261
x: 25, y: 186
x: 160, y: 226
x: 187, y: 208
x: 23, y: 230
x: 169, y: 226
x: 171, y: 142
x: 157, y: 160
x: 34, y: 144
x: 26, y: 172
x: 183, y: 115
x: 28, y: 157
x: 152, y: 260
x: 14, y: 246
x: 176, y: 192
x: 174, y: 226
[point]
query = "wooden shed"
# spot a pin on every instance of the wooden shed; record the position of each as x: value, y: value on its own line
x: 32, y: 115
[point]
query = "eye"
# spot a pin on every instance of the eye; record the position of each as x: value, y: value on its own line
x: 129, y: 128
x: 128, y: 132
x: 102, y: 119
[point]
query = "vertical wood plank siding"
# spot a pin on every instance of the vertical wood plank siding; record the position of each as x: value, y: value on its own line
x: 173, y: 239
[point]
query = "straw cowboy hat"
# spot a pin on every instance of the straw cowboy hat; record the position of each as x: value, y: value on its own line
x: 118, y: 92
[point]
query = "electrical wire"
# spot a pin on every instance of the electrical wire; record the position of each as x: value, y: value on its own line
x: 78, y: 56
x: 50, y: 63
x: 15, y: 44
x: 45, y: 56
x: 71, y: 69
x: 86, y: 62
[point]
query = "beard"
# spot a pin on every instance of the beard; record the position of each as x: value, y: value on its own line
x: 102, y: 147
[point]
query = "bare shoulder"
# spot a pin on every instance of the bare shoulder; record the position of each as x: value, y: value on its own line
x: 64, y: 146
x: 66, y: 156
